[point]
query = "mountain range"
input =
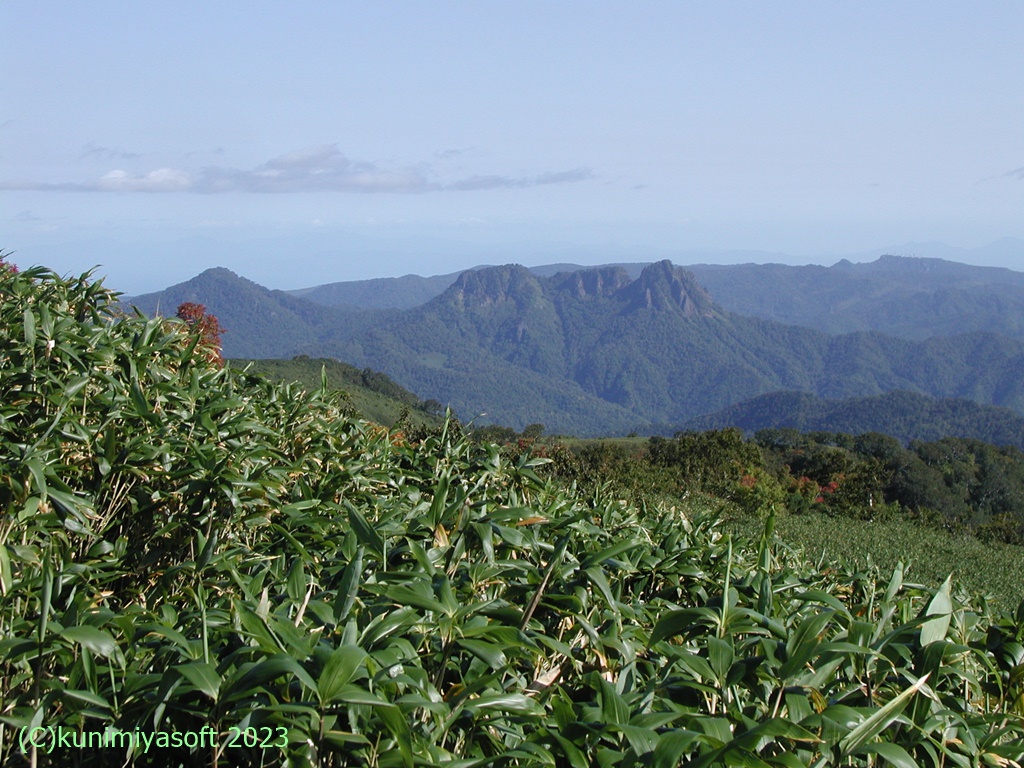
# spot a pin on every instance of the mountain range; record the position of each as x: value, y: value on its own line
x: 644, y: 347
x: 903, y: 296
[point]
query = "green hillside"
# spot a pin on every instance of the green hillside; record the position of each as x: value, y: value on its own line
x: 369, y: 394
x: 185, y: 546
x: 259, y: 323
x: 859, y: 502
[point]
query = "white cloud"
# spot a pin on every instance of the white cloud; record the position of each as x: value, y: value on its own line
x: 514, y: 182
x: 316, y: 169
x: 564, y: 177
x: 160, y: 180
x: 94, y: 150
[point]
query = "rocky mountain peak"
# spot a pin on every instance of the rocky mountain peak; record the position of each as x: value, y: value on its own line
x: 493, y: 285
x: 591, y: 283
x: 662, y: 286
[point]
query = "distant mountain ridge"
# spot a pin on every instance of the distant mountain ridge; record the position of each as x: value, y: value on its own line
x: 910, y: 297
x: 597, y: 351
x: 379, y: 293
x: 907, y: 296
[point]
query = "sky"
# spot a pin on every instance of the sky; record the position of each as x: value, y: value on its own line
x: 307, y: 142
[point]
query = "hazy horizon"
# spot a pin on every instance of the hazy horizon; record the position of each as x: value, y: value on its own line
x: 274, y: 278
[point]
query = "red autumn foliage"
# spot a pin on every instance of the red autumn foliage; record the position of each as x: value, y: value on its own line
x: 207, y: 326
x: 827, y: 490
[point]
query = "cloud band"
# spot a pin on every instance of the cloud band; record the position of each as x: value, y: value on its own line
x: 318, y: 169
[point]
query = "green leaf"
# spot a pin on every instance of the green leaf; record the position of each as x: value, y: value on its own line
x: 202, y: 676
x: 878, y: 721
x: 364, y: 531
x: 613, y: 708
x: 671, y: 748
x: 598, y: 579
x: 506, y: 702
x: 720, y: 656
x: 6, y: 578
x: 396, y: 722
x: 93, y: 638
x: 348, y: 587
x: 30, y: 327
x: 295, y: 585
x: 777, y: 727
x: 642, y: 740
x: 339, y: 670
x: 817, y: 596
x: 353, y: 694
x: 941, y: 607
x: 256, y: 676
x: 788, y: 760
x: 87, y: 697
x: 344, y: 739
x: 418, y: 596
x: 676, y: 622
x: 142, y: 406
x: 895, y: 583
x: 490, y: 653
x: 604, y: 555
x: 387, y: 624
x: 437, y: 506
x: 573, y: 754
x: 803, y: 643
x: 893, y: 754
x: 207, y: 552
x: 35, y: 466
x: 697, y: 665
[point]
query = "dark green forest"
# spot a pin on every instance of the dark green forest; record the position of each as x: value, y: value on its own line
x: 962, y: 486
x: 904, y: 415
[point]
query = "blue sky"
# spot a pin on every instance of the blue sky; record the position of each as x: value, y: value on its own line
x: 305, y: 142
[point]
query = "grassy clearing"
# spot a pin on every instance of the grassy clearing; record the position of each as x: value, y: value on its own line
x: 369, y: 394
x: 844, y: 534
x: 929, y: 555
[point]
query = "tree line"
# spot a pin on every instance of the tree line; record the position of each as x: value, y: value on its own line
x: 957, y: 484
